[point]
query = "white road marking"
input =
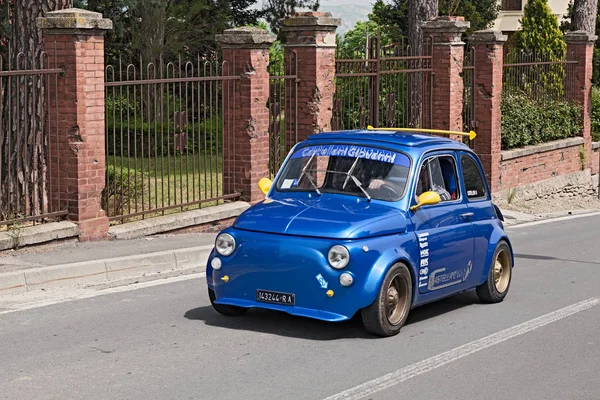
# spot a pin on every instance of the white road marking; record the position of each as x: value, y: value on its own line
x: 30, y: 300
x: 411, y: 371
x: 550, y: 220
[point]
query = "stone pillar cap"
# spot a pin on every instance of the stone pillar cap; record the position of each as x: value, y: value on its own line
x: 245, y: 37
x: 580, y: 37
x: 488, y: 36
x: 311, y: 19
x: 447, y: 24
x: 74, y: 18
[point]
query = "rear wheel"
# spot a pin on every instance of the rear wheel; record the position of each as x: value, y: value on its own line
x: 389, y: 311
x: 496, y: 286
x: 230, y: 311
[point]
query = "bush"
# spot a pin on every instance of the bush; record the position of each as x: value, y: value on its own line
x: 123, y: 187
x: 528, y: 122
x: 595, y: 114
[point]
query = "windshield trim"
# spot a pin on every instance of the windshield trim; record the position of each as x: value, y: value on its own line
x: 377, y: 146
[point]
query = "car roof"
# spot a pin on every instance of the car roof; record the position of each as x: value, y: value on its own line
x: 398, y: 138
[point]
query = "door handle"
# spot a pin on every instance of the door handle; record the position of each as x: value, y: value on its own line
x: 467, y: 215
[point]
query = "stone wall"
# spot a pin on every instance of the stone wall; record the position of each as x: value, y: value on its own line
x: 575, y: 184
x: 537, y: 163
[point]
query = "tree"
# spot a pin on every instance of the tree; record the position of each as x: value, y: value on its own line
x: 392, y: 15
x: 584, y: 15
x: 27, y: 180
x: 539, y: 39
x: 355, y: 40
x: 566, y: 26
x: 419, y: 11
x: 540, y: 32
x: 275, y: 11
x: 392, y: 18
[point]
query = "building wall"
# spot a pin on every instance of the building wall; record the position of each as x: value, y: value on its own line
x: 508, y: 21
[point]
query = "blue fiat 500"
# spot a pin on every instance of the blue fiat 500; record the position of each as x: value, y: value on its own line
x: 370, y: 221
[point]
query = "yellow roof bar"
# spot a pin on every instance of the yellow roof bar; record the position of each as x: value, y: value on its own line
x: 471, y: 134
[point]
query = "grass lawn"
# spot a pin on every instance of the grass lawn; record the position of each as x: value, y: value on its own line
x: 166, y: 181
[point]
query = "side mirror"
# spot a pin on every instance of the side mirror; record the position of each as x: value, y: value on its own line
x: 427, y: 199
x: 265, y: 185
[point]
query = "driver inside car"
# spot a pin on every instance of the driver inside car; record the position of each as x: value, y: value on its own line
x: 426, y: 183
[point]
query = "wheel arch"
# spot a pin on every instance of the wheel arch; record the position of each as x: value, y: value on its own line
x: 379, y: 270
x: 497, y: 237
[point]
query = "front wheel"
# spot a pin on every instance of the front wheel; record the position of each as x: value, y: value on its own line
x: 389, y: 311
x: 495, y: 288
x: 230, y: 311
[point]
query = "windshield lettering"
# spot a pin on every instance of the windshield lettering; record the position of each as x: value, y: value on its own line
x: 369, y: 172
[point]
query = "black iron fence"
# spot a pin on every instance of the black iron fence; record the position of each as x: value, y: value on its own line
x: 29, y: 150
x: 383, y: 86
x: 469, y: 106
x: 283, y: 109
x: 165, y: 137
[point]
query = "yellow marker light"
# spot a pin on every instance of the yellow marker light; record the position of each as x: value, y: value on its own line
x: 225, y: 279
x: 329, y: 293
x: 471, y: 134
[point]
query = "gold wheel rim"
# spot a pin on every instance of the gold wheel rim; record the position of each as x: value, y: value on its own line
x: 502, y: 271
x: 396, y: 300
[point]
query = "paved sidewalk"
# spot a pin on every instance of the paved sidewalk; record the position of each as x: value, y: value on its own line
x: 107, y: 262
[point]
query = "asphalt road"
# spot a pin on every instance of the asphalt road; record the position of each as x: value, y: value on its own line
x: 166, y: 342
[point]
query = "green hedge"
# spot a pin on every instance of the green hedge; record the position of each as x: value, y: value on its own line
x: 529, y: 122
x: 123, y: 187
x: 158, y: 139
x: 595, y: 114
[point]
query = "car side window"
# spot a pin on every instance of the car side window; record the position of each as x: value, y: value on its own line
x: 473, y: 181
x: 438, y: 174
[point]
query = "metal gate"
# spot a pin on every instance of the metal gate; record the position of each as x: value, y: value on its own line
x: 283, y: 109
x: 383, y: 85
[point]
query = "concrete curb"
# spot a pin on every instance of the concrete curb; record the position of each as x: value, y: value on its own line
x: 106, y: 271
x: 517, y: 218
x: 152, y: 226
x: 38, y: 234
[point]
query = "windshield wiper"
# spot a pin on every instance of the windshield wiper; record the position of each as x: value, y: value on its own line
x: 304, y: 173
x: 360, y: 186
x: 355, y: 179
x: 349, y: 173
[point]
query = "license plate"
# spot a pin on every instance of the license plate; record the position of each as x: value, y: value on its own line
x: 266, y: 296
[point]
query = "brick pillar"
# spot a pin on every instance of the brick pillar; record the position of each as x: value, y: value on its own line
x: 445, y: 35
x: 311, y: 35
x: 580, y: 48
x: 246, y: 135
x: 488, y: 52
x: 76, y: 38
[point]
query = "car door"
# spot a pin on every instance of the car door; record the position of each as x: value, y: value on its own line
x: 480, y: 206
x: 444, y: 232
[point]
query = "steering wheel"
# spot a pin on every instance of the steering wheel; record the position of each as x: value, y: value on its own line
x: 388, y: 192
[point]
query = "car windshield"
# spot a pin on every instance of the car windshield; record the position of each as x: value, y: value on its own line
x: 369, y: 172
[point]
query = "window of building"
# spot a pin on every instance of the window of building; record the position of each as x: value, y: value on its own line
x: 512, y: 5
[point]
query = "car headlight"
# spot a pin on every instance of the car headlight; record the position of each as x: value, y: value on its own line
x: 338, y: 257
x: 225, y: 244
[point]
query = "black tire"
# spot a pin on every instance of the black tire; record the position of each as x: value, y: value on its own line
x: 382, y: 318
x: 230, y: 311
x: 496, y: 286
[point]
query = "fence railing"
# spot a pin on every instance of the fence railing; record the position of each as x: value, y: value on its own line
x: 383, y: 86
x: 283, y: 109
x: 29, y: 150
x: 540, y: 77
x: 165, y: 137
x: 469, y: 105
